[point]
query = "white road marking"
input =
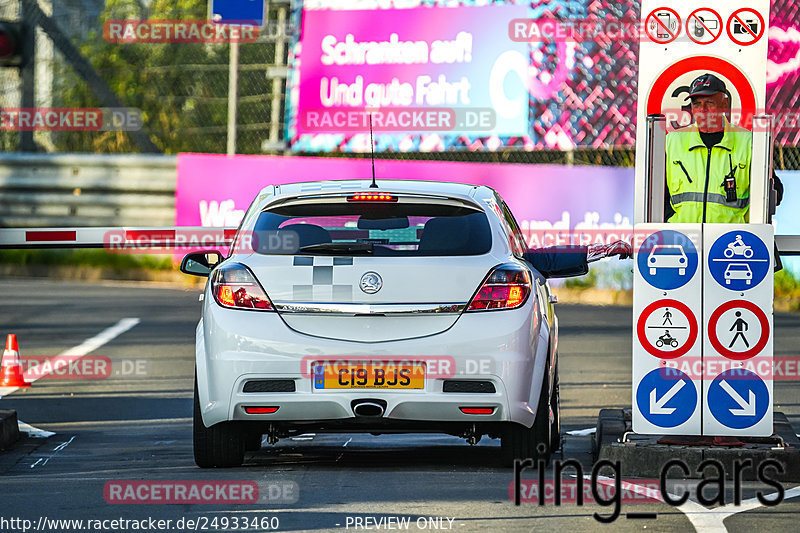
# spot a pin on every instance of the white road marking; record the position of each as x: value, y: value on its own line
x: 34, y: 432
x: 87, y: 346
x: 105, y: 336
x: 60, y: 447
x: 706, y: 520
x: 64, y: 444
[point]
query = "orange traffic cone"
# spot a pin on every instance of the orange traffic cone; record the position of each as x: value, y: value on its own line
x: 11, y: 368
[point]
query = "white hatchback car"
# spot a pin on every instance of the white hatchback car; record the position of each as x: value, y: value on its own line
x: 411, y: 307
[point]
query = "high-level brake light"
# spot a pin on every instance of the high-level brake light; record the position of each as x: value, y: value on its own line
x: 371, y: 197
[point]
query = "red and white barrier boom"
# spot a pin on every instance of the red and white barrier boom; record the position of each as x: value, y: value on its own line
x: 131, y: 240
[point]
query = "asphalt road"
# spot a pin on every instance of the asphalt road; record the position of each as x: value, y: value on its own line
x: 135, y: 425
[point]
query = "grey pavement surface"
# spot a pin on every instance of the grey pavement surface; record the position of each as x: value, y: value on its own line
x: 136, y: 425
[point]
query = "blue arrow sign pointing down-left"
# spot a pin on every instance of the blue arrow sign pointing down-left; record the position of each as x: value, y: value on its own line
x: 657, y: 406
x: 666, y: 397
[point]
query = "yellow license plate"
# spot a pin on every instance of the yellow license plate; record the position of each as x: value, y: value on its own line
x: 369, y: 376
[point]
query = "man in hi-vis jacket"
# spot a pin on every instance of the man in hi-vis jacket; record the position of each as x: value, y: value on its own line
x: 708, y: 162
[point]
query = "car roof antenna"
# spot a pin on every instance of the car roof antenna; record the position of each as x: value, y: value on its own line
x: 372, y: 151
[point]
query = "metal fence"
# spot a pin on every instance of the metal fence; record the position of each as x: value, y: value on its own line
x: 182, y: 90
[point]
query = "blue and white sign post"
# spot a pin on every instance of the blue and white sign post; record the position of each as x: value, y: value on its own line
x: 235, y: 12
x: 709, y: 328
x: 238, y: 11
x: 667, y: 308
x: 737, y: 345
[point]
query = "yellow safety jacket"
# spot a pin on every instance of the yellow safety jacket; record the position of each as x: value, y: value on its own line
x: 696, y: 175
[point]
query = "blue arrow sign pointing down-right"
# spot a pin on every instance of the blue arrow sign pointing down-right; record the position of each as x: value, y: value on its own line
x: 727, y: 403
x: 747, y: 408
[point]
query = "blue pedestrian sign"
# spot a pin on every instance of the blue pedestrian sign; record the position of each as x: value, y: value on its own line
x: 667, y: 260
x: 666, y: 397
x: 739, y: 260
x: 738, y: 398
x: 238, y: 11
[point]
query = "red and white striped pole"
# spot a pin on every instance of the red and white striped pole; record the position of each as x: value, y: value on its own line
x: 117, y: 239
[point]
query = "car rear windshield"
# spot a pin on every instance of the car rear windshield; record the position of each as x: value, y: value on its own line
x: 381, y: 229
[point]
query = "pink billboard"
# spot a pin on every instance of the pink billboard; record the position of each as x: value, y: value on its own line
x: 400, y: 64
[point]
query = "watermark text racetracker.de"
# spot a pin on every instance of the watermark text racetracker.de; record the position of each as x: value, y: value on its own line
x: 70, y: 119
x: 397, y: 119
x: 287, y: 242
x: 178, y: 31
x: 755, y: 120
x: 757, y: 367
x: 77, y: 367
x: 163, y: 492
x: 699, y: 30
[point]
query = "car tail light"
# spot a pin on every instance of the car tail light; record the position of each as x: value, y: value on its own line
x: 371, y: 197
x: 260, y: 410
x: 506, y: 287
x: 477, y: 410
x: 235, y: 287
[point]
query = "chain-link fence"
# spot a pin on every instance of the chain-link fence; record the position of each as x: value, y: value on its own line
x: 182, y: 89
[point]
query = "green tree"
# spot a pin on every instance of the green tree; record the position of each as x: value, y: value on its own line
x: 180, y: 88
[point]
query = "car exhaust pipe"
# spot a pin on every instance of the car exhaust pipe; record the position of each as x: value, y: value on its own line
x: 368, y: 409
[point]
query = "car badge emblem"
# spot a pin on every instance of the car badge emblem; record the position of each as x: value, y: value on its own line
x: 371, y: 282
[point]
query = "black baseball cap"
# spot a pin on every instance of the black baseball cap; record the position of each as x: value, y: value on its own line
x: 706, y: 85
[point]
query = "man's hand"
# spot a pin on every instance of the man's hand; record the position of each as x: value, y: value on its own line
x: 600, y: 251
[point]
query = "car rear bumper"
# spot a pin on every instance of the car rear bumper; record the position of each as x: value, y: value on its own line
x: 506, y: 348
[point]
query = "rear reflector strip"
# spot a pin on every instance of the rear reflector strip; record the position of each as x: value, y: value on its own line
x: 260, y: 410
x: 477, y: 410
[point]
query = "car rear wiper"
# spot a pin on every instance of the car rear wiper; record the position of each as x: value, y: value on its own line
x: 340, y: 247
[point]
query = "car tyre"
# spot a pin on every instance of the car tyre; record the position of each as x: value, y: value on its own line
x: 220, y: 446
x: 520, y: 442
